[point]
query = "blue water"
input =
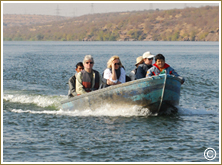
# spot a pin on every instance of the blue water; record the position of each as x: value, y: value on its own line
x: 36, y: 129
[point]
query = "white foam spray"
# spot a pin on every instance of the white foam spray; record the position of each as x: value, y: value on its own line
x: 106, y: 110
x: 124, y: 112
x: 39, y: 100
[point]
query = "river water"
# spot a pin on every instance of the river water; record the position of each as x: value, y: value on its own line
x: 36, y: 129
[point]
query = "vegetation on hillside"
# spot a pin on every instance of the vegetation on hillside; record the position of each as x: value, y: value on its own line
x: 10, y: 20
x: 189, y: 24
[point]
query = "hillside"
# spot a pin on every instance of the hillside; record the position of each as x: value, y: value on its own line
x: 190, y: 24
x: 10, y: 20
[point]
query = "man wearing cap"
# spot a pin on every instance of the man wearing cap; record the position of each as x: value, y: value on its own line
x: 132, y: 75
x: 147, y: 64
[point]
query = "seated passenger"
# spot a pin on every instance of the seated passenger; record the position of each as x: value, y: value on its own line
x: 115, y: 73
x: 132, y: 75
x: 147, y: 64
x: 88, y: 79
x: 72, y: 80
x: 161, y: 67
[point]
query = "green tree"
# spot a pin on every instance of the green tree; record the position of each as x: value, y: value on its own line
x: 193, y: 35
x: 112, y: 38
x: 39, y: 37
x: 175, y: 36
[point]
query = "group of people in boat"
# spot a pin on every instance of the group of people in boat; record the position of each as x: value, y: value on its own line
x: 86, y: 79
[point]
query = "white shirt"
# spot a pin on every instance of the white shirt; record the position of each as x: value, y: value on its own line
x: 108, y: 75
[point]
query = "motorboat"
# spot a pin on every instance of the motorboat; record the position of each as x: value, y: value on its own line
x: 156, y: 93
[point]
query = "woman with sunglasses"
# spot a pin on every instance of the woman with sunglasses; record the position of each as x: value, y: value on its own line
x: 88, y: 79
x: 115, y: 73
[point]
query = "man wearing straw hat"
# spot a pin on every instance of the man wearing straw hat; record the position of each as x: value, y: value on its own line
x: 132, y: 75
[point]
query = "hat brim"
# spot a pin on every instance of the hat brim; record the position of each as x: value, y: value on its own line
x: 150, y: 56
x: 138, y: 62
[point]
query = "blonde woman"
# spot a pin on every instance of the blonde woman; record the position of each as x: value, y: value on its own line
x: 115, y: 73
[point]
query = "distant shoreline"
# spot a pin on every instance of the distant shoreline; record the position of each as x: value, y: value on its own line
x: 112, y: 41
x: 189, y: 24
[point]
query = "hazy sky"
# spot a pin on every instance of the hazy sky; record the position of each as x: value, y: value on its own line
x: 77, y: 8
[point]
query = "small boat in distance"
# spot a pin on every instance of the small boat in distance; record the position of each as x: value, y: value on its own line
x: 156, y: 93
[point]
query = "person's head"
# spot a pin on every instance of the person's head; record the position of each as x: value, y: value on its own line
x: 79, y: 67
x: 116, y: 60
x: 160, y: 60
x: 88, y: 62
x: 148, y: 58
x: 139, y: 60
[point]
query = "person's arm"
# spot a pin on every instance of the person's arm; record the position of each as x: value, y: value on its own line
x: 108, y: 75
x: 72, y: 85
x: 173, y: 72
x: 149, y: 73
x: 139, y: 73
x: 114, y: 77
x: 79, y: 87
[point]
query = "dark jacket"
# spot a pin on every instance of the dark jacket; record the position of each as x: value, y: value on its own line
x: 142, y: 70
x: 72, y: 86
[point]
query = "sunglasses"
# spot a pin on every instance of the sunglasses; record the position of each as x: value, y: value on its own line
x: 89, y: 62
x: 81, y: 68
x: 117, y: 64
x: 150, y: 58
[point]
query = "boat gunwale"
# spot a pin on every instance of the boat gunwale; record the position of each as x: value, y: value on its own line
x: 118, y: 86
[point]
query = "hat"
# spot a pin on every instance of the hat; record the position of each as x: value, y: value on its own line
x: 139, y: 59
x: 148, y: 55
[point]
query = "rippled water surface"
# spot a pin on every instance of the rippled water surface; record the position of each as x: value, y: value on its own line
x: 37, y: 129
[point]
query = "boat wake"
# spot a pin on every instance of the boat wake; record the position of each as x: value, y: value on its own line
x: 105, y: 111
x: 45, y: 101
x: 134, y: 111
x: 38, y: 100
x: 52, y: 105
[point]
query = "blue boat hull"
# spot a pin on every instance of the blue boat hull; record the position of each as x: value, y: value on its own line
x: 156, y: 94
